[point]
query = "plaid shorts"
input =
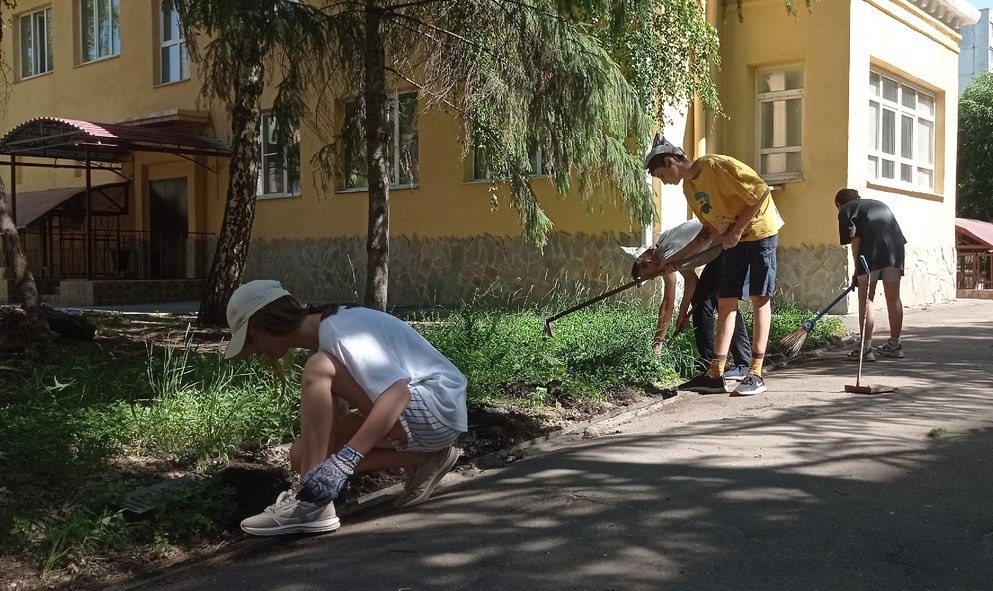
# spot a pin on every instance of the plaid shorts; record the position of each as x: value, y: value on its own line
x: 424, y: 431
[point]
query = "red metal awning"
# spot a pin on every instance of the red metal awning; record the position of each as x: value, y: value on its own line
x: 978, y: 230
x: 72, y: 139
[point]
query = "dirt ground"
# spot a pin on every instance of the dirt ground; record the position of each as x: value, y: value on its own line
x: 258, y: 478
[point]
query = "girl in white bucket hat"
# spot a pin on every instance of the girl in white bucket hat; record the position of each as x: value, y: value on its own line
x: 409, y: 400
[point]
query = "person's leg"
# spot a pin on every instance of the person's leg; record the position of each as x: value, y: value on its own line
x: 326, y: 391
x: 727, y: 308
x: 867, y: 314
x: 894, y: 309
x: 704, y: 307
x: 733, y: 282
x: 761, y: 258
x: 703, y: 330
x: 741, y: 345
x: 894, y: 305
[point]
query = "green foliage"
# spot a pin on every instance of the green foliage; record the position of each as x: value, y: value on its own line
x: 592, y: 351
x: 68, y: 421
x: 975, y: 150
x: 205, y: 408
x: 788, y: 316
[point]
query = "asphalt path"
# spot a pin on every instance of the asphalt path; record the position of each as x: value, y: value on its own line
x: 803, y: 487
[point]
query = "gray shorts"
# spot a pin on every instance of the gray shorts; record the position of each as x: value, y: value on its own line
x: 424, y: 431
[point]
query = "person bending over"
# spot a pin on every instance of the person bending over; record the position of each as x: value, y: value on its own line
x: 374, y: 394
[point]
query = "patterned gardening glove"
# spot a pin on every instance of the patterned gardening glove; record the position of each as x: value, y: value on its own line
x: 324, y: 481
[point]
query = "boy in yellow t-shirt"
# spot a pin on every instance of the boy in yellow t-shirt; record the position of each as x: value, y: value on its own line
x: 733, y: 202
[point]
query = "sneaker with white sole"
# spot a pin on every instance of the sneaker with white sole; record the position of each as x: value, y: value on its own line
x: 750, y: 386
x: 867, y: 355
x: 704, y: 384
x: 289, y: 515
x: 423, y: 478
x: 736, y: 373
x: 890, y: 349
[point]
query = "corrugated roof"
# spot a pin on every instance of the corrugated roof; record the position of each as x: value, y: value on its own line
x: 74, y: 139
x: 976, y: 229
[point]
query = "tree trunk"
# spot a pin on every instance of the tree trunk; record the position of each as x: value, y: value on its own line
x: 24, y: 283
x: 239, y: 210
x: 377, y: 138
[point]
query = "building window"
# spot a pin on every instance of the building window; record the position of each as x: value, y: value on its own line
x: 279, y: 174
x: 481, y: 170
x: 36, y: 43
x: 174, y: 57
x: 401, y: 156
x: 100, y: 26
x: 780, y: 123
x: 901, y: 134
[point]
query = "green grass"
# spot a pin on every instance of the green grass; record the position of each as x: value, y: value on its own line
x: 72, y: 419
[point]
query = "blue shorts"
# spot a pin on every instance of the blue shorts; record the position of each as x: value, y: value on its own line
x: 749, y: 269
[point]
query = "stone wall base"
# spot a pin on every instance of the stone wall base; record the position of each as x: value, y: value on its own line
x: 427, y: 272
x: 83, y: 293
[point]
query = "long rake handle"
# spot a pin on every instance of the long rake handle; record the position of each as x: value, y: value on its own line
x: 602, y: 296
x: 810, y: 323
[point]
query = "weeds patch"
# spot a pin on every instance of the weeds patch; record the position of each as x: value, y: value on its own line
x: 84, y: 424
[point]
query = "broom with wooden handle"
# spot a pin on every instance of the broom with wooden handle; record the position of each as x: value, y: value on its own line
x: 793, y: 342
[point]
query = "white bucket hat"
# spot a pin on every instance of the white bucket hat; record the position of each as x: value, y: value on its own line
x: 246, y: 301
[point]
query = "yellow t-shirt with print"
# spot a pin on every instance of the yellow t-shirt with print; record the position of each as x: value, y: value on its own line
x: 724, y: 188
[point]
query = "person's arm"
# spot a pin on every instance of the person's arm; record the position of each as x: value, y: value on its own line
x: 386, y: 411
x: 665, y: 310
x: 689, y: 288
x: 732, y: 236
x: 324, y: 482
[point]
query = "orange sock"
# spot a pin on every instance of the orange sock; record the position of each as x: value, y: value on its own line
x: 717, y: 366
x: 755, y: 367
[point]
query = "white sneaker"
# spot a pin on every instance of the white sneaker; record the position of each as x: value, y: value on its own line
x: 426, y: 476
x: 289, y: 515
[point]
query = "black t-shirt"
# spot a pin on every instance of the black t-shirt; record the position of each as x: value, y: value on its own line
x: 873, y: 222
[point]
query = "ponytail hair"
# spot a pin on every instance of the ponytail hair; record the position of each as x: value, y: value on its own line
x: 284, y: 315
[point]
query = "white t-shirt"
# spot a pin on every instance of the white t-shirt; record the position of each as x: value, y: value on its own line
x: 674, y: 239
x: 379, y: 349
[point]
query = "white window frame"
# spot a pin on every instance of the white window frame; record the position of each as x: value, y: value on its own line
x: 393, y: 123
x: 778, y: 99
x: 894, y: 159
x: 99, y: 18
x: 290, y: 182
x: 539, y: 169
x: 169, y: 16
x: 40, y: 47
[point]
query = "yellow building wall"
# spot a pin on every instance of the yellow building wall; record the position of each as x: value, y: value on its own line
x: 444, y: 203
x: 885, y: 30
x: 124, y: 88
x: 112, y: 90
x: 837, y: 42
x: 767, y: 37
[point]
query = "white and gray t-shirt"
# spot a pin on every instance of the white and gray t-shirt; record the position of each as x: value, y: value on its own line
x: 676, y: 238
x: 379, y: 349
